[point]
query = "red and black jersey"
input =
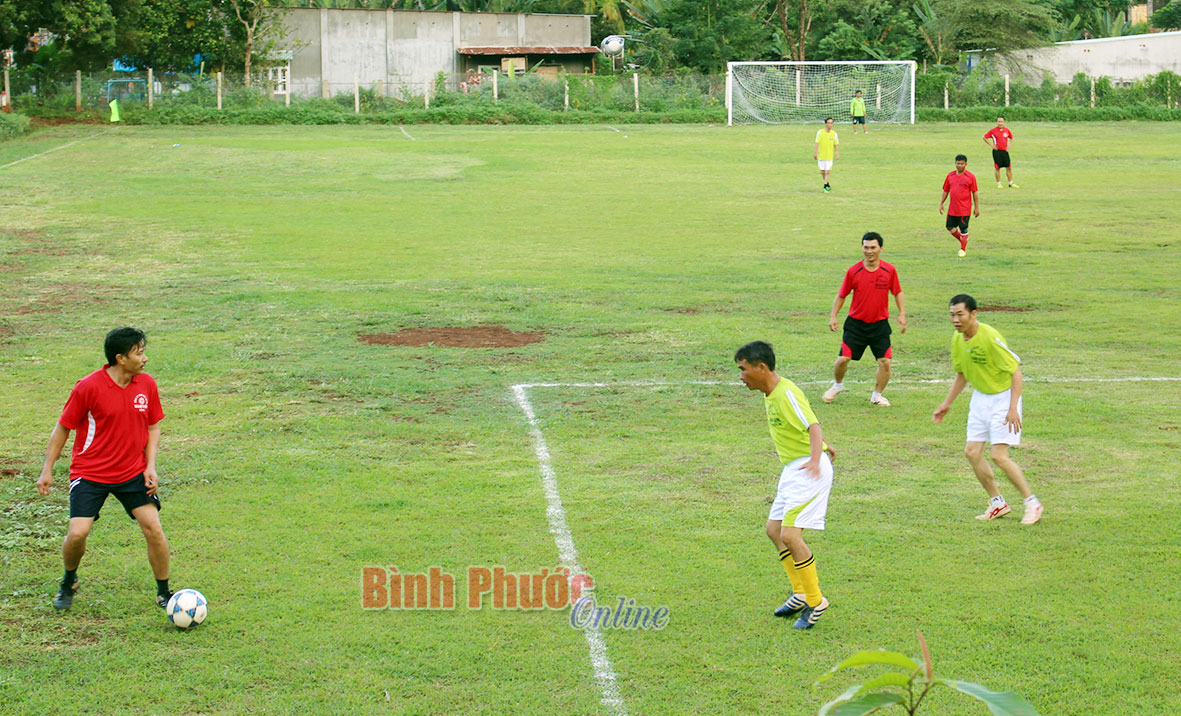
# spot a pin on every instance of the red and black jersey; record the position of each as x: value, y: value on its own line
x: 960, y: 188
x: 1000, y: 135
x: 112, y: 426
x: 871, y: 290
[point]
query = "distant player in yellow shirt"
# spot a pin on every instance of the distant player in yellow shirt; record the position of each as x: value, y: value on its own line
x: 857, y: 111
x: 827, y: 151
x: 981, y: 357
x: 801, y: 502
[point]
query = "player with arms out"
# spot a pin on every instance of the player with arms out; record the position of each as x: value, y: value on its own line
x: 960, y: 185
x: 982, y: 358
x: 1000, y: 138
x: 857, y: 111
x: 801, y: 502
x: 827, y: 151
x: 116, y: 411
x: 871, y: 281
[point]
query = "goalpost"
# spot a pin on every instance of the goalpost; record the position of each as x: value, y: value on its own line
x: 786, y: 92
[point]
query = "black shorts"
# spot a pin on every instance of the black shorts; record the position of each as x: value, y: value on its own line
x: 87, y: 497
x: 958, y: 222
x: 1000, y: 158
x: 859, y: 335
x: 859, y: 120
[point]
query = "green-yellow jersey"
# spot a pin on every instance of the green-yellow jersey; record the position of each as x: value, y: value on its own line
x: 985, y: 359
x: 826, y: 142
x: 788, y: 416
x: 857, y: 109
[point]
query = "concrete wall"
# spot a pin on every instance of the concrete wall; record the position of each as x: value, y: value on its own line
x: 1132, y: 57
x: 393, y: 49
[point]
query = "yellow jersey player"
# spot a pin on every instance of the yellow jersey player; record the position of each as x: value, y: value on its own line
x: 801, y: 502
x: 827, y: 151
x: 980, y: 356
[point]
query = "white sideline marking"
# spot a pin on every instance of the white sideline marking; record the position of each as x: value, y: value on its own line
x: 47, y: 151
x: 407, y: 133
x: 568, y: 554
x: 613, y: 129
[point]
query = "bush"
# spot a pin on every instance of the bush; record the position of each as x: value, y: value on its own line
x: 13, y: 125
x: 1148, y: 112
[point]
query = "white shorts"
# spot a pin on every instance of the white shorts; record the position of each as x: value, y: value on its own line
x: 824, y: 164
x: 802, y: 500
x: 986, y: 419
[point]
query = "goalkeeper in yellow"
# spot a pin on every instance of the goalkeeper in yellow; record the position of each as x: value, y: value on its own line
x: 801, y: 501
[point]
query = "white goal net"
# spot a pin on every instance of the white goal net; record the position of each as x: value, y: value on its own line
x: 786, y: 92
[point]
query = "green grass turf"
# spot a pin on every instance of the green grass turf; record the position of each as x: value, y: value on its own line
x: 294, y: 455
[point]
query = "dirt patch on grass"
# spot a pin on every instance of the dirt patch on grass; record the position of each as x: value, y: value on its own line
x: 689, y: 310
x: 455, y: 337
x: 62, y: 296
x: 1002, y: 308
x: 59, y: 121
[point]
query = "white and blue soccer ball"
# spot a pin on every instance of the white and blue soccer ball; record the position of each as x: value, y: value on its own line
x: 612, y: 45
x: 187, y: 608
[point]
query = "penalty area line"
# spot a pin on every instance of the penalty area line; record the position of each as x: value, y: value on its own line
x: 568, y: 554
x: 407, y: 133
x: 54, y: 149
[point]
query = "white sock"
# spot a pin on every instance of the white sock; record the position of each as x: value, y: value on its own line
x: 837, y: 385
x: 996, y: 501
x: 874, y: 395
x: 1032, y: 501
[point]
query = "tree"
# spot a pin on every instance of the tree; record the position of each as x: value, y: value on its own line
x: 711, y: 33
x: 998, y: 26
x: 263, y: 26
x: 1102, y: 23
x: 871, y: 29
x: 939, y: 31
x: 1168, y: 17
x: 795, y: 22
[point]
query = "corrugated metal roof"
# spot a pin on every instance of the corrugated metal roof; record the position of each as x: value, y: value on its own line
x: 536, y: 50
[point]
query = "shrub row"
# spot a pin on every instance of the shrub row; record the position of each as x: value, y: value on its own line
x: 1155, y: 113
x: 13, y: 125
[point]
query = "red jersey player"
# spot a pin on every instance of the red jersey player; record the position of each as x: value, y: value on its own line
x: 116, y: 413
x: 871, y: 281
x: 961, y: 186
x: 999, y: 138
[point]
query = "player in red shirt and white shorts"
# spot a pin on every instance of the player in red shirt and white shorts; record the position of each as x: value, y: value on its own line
x: 871, y: 281
x: 1001, y: 137
x: 961, y: 186
x: 116, y: 413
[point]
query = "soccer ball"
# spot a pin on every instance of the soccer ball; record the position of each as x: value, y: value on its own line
x: 187, y: 608
x: 612, y: 45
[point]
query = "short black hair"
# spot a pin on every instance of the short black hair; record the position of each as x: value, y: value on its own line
x: 1001, y: 117
x: 120, y: 342
x: 858, y: 91
x: 756, y: 352
x: 873, y: 236
x: 968, y: 301
x: 828, y: 119
x: 961, y: 157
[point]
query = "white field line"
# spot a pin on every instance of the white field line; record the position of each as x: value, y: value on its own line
x: 613, y: 129
x: 901, y: 383
x: 568, y: 554
x: 54, y: 149
x: 407, y: 133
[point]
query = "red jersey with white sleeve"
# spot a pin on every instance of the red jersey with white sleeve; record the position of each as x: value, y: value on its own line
x: 111, y: 425
x: 959, y: 188
x: 1001, y: 135
x: 871, y: 291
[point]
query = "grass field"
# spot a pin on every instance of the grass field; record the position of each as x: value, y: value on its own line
x: 295, y: 454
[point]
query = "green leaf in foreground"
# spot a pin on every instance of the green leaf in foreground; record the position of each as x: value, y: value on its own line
x: 875, y: 656
x: 1000, y: 703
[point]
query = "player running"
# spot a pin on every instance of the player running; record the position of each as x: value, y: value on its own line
x: 871, y: 282
x: 980, y: 356
x: 801, y: 501
x: 827, y: 151
x: 1000, y: 138
x: 961, y: 186
x: 116, y: 411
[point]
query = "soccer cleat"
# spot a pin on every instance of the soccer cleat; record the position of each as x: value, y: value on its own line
x: 811, y: 615
x: 826, y: 190
x: 961, y: 253
x: 999, y: 185
x: 794, y: 604
x: 1033, y: 513
x: 1014, y: 186
x: 880, y: 400
x: 65, y: 597
x: 832, y: 393
x: 162, y: 600
x: 994, y: 512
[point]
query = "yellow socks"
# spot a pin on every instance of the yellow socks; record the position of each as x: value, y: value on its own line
x: 810, y: 581
x: 797, y: 585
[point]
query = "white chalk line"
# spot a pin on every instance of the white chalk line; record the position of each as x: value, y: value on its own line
x: 568, y: 554
x: 54, y: 149
x: 893, y: 383
x: 613, y: 129
x: 407, y: 133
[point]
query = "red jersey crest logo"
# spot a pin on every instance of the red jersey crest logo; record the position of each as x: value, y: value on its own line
x: 141, y: 403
